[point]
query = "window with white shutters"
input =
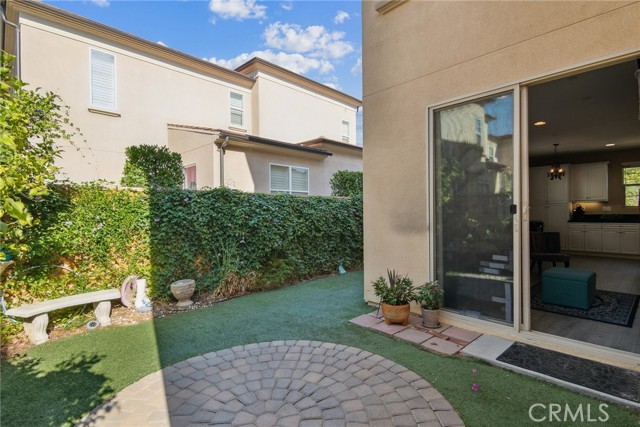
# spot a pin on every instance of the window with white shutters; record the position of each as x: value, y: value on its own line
x: 236, y: 103
x: 288, y: 179
x: 103, y: 80
x: 345, y: 131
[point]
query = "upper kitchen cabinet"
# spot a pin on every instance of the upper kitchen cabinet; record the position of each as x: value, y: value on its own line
x: 542, y: 190
x: 590, y: 182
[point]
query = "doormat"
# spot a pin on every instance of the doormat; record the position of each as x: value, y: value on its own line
x: 611, y: 380
x: 608, y: 307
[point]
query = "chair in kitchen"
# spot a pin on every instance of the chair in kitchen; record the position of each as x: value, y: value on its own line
x: 545, y: 246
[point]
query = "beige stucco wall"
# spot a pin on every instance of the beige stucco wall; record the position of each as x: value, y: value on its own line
x: 149, y: 95
x: 196, y: 148
x: 421, y: 54
x: 294, y: 114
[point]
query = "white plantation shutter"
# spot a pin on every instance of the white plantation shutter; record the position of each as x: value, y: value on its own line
x: 103, y: 80
x: 345, y: 131
x: 236, y: 102
x: 279, y: 179
x: 299, y: 180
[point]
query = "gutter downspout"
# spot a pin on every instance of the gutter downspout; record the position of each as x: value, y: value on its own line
x: 17, y: 28
x: 222, y: 151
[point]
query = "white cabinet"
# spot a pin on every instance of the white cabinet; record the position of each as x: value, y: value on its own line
x: 589, y: 182
x: 621, y: 238
x: 585, y: 237
x: 543, y: 190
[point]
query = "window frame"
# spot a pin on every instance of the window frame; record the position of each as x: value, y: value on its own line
x: 290, y: 191
x: 631, y: 165
x: 346, y: 136
x: 114, y: 107
x: 185, y: 184
x: 232, y: 108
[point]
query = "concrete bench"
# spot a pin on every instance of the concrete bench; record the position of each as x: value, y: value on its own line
x: 36, y: 315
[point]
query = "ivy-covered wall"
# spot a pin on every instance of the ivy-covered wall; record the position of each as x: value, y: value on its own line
x: 90, y: 237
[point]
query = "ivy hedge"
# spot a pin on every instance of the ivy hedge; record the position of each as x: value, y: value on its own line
x: 90, y: 237
x: 346, y: 183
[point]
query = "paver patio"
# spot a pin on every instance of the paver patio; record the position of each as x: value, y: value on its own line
x: 279, y: 383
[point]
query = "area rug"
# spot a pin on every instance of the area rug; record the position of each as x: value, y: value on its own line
x: 608, y: 307
x: 611, y: 380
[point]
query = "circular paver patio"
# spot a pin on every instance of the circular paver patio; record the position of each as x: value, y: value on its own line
x: 279, y: 383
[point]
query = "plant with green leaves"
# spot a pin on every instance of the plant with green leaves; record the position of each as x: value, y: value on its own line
x: 397, y: 290
x: 152, y: 166
x: 346, y: 183
x: 31, y: 124
x: 429, y: 295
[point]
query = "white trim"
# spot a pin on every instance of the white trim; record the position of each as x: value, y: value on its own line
x: 347, y: 135
x: 271, y: 190
x: 115, y: 80
x: 233, y: 108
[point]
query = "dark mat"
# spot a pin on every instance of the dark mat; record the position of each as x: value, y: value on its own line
x: 608, y: 307
x: 608, y: 379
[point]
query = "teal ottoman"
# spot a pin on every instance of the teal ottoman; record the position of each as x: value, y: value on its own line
x: 571, y: 287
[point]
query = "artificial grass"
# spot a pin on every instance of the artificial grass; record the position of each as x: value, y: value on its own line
x: 58, y: 382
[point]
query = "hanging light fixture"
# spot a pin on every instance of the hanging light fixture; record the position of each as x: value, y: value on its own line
x: 556, y: 171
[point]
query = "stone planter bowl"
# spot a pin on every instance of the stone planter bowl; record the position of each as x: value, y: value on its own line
x: 183, y: 290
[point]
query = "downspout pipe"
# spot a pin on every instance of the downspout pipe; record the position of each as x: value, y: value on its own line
x: 17, y: 28
x: 221, y: 149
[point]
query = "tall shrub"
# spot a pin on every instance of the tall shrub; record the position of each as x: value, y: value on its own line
x: 346, y: 183
x: 152, y: 166
x: 31, y: 123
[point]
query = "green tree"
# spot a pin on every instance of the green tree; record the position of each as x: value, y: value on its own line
x: 151, y: 166
x: 346, y: 183
x: 31, y: 123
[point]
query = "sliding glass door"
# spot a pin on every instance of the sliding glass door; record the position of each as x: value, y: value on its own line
x: 474, y: 206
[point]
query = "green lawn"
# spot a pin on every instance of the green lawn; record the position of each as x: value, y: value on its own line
x: 58, y: 382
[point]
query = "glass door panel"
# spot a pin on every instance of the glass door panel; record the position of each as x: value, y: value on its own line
x: 474, y: 158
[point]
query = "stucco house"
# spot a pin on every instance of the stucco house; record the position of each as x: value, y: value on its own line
x: 123, y: 90
x: 463, y: 103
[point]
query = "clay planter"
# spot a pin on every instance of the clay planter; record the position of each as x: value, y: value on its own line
x: 430, y: 318
x: 182, y: 290
x: 396, y: 314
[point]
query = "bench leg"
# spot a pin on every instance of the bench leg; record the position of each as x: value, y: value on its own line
x: 102, y: 311
x: 36, y: 328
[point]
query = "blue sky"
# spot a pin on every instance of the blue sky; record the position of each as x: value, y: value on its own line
x: 318, y: 39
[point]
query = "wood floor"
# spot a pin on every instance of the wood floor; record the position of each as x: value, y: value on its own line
x: 613, y: 274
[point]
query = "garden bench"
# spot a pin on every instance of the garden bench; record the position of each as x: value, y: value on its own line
x: 36, y: 315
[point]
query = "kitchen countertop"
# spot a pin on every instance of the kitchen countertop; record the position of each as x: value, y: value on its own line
x: 608, y: 218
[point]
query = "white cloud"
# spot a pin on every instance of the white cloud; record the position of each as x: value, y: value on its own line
x: 161, y: 43
x: 332, y: 85
x: 287, y: 5
x: 295, y: 62
x: 236, y: 9
x: 101, y: 3
x: 357, y: 68
x: 315, y: 40
x: 341, y: 17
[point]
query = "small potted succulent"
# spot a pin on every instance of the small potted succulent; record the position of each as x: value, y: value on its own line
x: 395, y: 295
x: 429, y: 296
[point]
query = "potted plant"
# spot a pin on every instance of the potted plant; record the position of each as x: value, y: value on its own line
x: 429, y: 296
x: 395, y: 296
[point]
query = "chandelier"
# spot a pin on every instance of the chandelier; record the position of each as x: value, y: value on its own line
x: 556, y: 171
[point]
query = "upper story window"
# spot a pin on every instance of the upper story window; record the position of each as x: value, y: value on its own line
x: 631, y: 182
x: 478, y: 130
x: 345, y: 131
x: 288, y: 179
x: 236, y: 103
x: 103, y: 80
x: 190, y: 182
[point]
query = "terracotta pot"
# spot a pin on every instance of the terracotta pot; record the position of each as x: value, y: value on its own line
x: 430, y: 318
x: 396, y: 314
x: 183, y: 290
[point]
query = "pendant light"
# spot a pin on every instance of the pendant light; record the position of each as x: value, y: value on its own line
x: 556, y: 171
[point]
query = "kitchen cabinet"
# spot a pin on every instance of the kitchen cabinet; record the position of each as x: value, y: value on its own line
x: 543, y: 190
x: 621, y: 238
x: 589, y: 182
x: 585, y: 237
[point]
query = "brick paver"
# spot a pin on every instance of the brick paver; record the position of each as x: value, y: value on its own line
x: 279, y: 383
